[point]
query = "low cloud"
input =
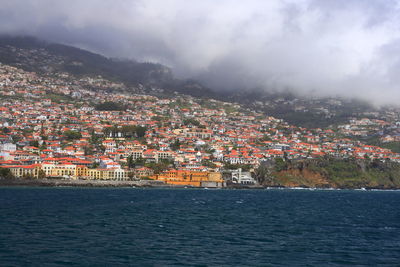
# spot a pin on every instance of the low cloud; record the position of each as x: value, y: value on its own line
x: 320, y: 47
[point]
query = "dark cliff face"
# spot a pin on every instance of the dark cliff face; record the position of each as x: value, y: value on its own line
x: 337, y: 173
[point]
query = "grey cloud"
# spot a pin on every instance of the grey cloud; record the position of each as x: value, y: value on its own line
x: 327, y: 47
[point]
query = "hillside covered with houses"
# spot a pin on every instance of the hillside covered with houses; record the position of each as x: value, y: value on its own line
x: 66, y: 127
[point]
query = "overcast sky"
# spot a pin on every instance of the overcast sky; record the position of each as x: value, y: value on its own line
x: 325, y: 47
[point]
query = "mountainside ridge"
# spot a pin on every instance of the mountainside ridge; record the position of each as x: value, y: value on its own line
x: 31, y: 54
x: 35, y: 55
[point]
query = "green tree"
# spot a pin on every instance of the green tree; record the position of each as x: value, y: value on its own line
x: 131, y: 175
x: 110, y: 106
x: 94, y: 165
x: 159, y: 167
x: 140, y: 161
x: 141, y: 131
x: 157, y: 118
x: 130, y: 162
x: 208, y: 163
x: 266, y: 138
x: 94, y: 138
x: 175, y: 145
x: 280, y: 165
x: 5, y: 130
x: 34, y: 143
x: 72, y: 135
x: 88, y: 150
x: 43, y: 146
x: 191, y: 122
x: 244, y: 167
x: 16, y: 138
x: 263, y: 175
x: 128, y: 130
x: 41, y: 174
x: 6, y: 173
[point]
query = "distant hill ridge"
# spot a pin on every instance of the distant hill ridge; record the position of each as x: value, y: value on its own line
x: 36, y: 55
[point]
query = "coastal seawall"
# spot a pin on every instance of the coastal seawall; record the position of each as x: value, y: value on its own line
x: 80, y: 183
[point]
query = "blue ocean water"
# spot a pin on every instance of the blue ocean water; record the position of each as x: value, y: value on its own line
x: 185, y: 227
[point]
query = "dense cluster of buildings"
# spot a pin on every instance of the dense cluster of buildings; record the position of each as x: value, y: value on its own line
x: 51, y: 127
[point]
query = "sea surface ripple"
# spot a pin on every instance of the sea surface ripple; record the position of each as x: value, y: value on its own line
x: 189, y: 227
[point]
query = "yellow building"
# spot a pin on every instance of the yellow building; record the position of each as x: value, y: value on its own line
x: 24, y: 171
x: 61, y: 170
x: 95, y: 174
x: 191, y: 178
x: 69, y: 171
x: 82, y: 172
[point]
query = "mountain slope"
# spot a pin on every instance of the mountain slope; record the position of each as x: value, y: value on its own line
x: 39, y: 56
x: 35, y: 55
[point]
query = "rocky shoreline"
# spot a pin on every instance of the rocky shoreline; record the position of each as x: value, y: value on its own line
x: 81, y: 183
x: 149, y: 184
x: 97, y: 183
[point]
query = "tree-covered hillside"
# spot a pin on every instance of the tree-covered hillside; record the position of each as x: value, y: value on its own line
x: 331, y: 172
